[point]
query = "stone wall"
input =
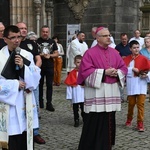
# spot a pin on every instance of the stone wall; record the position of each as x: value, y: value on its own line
x: 127, y: 17
x: 118, y: 15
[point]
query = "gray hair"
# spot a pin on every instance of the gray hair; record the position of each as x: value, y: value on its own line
x: 147, y: 37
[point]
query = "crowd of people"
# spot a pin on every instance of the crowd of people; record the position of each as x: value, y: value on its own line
x: 96, y: 76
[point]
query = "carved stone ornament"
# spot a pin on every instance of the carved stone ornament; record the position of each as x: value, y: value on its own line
x: 146, y: 1
x: 78, y: 7
x: 49, y: 5
x: 37, y: 5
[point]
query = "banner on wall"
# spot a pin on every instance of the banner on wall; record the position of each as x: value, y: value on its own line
x: 72, y: 30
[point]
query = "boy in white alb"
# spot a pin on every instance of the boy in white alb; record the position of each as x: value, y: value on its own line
x: 75, y: 92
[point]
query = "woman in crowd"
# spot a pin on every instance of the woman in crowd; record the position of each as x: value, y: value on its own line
x: 58, y: 61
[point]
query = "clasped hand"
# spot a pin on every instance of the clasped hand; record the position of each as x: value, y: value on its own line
x: 143, y: 75
x: 19, y: 61
x: 22, y: 85
x: 111, y: 72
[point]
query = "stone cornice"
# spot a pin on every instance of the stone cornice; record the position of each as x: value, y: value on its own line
x: 146, y: 7
x: 146, y: 2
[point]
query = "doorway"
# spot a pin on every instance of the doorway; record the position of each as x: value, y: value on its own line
x: 5, y: 12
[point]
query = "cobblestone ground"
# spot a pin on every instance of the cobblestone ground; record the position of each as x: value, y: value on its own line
x: 58, y: 131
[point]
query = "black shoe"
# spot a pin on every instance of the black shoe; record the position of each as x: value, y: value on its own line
x: 50, y: 108
x: 76, y: 123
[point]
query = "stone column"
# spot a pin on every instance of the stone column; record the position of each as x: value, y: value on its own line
x: 30, y: 16
x: 145, y: 17
x: 49, y: 9
x: 19, y: 10
x: 13, y: 11
x: 37, y: 5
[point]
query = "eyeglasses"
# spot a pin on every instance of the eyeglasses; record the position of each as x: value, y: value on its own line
x: 13, y: 38
x: 105, y: 35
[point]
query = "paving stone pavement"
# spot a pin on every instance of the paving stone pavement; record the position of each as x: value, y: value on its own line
x: 59, y: 133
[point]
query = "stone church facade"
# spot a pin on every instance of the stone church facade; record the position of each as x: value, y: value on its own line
x: 118, y: 15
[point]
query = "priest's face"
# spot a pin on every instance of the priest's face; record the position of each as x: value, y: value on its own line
x: 103, y: 37
x: 81, y: 37
x: 13, y: 40
x: 135, y: 49
x: 137, y: 33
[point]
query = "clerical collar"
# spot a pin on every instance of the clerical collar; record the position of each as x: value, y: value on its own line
x: 137, y: 38
x: 104, y: 48
x: 10, y: 51
x: 80, y: 41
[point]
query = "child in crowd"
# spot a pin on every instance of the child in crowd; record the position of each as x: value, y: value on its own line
x: 137, y: 78
x: 75, y: 92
